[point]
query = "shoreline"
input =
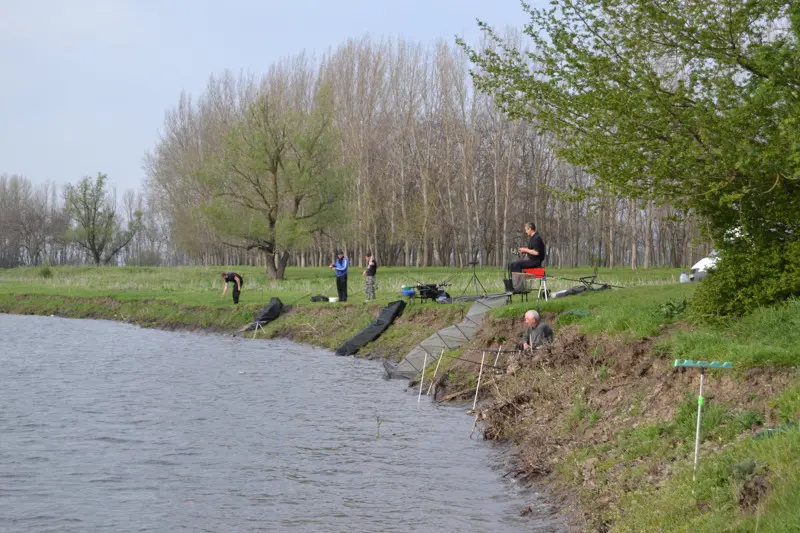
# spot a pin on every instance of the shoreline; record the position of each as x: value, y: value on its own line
x: 597, y: 424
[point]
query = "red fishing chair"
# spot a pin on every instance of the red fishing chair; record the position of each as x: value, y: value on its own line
x: 538, y: 273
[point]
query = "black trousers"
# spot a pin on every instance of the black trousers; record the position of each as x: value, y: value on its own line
x: 517, y: 266
x: 236, y: 293
x: 341, y: 287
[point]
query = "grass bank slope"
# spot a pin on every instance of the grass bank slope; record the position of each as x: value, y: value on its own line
x: 190, y: 298
x: 604, y: 418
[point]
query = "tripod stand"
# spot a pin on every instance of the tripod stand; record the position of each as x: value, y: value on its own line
x: 474, y: 280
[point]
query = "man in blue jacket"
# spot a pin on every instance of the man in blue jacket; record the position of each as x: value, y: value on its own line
x: 340, y: 267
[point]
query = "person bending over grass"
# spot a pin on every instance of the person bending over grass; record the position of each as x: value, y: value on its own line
x: 237, y: 285
x: 537, y: 334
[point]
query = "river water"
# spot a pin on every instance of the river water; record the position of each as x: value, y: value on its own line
x: 109, y: 427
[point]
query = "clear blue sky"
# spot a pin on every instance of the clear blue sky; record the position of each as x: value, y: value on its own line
x: 85, y: 83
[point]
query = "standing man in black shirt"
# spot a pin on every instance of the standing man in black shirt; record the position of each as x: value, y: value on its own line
x: 372, y: 268
x: 534, y: 254
x: 237, y: 285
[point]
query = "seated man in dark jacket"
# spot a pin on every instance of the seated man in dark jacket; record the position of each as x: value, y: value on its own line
x: 531, y: 257
x: 537, y: 334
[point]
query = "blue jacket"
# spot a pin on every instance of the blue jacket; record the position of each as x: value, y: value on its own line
x: 341, y: 266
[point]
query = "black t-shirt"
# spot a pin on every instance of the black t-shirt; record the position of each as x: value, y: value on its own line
x: 372, y: 267
x: 231, y: 276
x: 536, y: 243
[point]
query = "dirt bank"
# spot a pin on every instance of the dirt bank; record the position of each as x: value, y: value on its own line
x: 572, y: 407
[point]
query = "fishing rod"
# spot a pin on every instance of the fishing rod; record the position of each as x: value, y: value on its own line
x: 489, y: 350
x: 588, y: 281
x: 295, y: 301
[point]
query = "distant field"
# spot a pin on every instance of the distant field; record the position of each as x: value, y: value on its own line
x: 203, y: 285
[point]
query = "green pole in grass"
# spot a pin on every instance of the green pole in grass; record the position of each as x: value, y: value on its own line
x: 702, y: 365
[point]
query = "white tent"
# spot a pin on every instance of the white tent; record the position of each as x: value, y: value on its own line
x: 705, y: 264
x: 700, y: 269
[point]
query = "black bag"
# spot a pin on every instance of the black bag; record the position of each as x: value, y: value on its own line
x: 428, y: 290
x: 319, y: 298
x: 269, y: 313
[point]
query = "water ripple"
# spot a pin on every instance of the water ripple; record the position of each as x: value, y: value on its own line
x: 108, y: 427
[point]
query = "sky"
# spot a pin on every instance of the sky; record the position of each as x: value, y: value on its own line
x: 85, y: 83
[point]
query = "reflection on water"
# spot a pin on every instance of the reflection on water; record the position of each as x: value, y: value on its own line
x: 108, y: 427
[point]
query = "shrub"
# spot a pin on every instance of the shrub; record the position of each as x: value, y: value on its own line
x: 46, y: 272
x: 747, y: 277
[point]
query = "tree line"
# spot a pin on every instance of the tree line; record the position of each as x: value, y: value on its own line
x: 81, y: 223
x: 387, y: 146
x: 382, y: 146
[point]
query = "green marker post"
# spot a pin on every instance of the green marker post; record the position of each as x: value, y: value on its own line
x: 702, y: 365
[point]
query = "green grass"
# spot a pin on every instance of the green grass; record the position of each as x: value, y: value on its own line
x: 677, y: 504
x: 711, y: 504
x: 787, y: 405
x: 637, y: 311
x: 768, y: 336
x: 203, y: 285
x: 190, y: 298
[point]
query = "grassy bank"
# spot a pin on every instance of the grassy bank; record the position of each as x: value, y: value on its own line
x: 604, y: 418
x: 190, y: 298
x: 601, y: 417
x: 203, y: 285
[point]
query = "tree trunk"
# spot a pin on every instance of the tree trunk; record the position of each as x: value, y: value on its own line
x: 282, y: 259
x: 648, y: 234
x: 611, y: 221
x: 633, y: 234
x: 269, y: 266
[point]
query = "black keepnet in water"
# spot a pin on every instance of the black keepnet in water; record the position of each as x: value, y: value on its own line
x: 374, y: 330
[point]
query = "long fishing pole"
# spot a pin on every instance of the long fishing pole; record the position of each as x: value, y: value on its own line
x: 295, y: 301
x: 591, y: 282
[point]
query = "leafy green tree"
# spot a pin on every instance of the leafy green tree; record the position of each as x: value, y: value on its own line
x: 277, y: 179
x: 693, y: 103
x: 94, y: 224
